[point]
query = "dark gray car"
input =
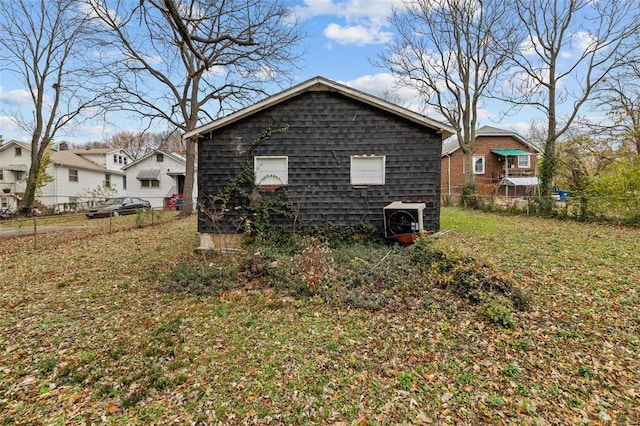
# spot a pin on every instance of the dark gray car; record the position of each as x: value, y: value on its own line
x: 118, y: 206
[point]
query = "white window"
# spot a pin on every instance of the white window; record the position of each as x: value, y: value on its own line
x: 367, y: 169
x: 271, y: 171
x: 523, y: 162
x: 478, y: 165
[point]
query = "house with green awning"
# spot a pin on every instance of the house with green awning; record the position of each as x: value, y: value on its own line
x: 504, y: 163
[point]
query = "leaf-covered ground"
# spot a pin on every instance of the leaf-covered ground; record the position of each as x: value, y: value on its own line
x: 86, y: 336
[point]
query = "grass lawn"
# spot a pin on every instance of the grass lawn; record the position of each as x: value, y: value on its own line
x: 88, y: 334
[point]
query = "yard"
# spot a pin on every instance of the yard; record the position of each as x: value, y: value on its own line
x: 89, y: 332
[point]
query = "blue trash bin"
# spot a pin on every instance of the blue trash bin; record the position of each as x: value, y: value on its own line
x: 563, y: 196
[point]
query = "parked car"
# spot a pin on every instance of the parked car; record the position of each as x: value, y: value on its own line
x: 118, y: 206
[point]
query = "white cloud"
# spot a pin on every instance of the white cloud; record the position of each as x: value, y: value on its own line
x: 17, y: 97
x: 359, y: 34
x: 384, y: 83
x: 154, y: 59
x: 374, y: 10
x: 358, y: 22
x: 8, y: 124
x: 521, y: 127
x: 583, y: 41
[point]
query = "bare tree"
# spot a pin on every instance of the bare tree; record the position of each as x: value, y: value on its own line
x: 139, y: 144
x: 42, y: 43
x: 136, y: 144
x: 447, y: 51
x: 619, y: 95
x: 187, y: 62
x: 572, y: 46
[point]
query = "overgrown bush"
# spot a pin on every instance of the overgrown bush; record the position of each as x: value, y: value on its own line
x: 465, y: 275
x: 362, y: 275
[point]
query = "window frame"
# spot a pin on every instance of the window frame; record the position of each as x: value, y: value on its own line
x: 150, y: 183
x: 159, y: 157
x: 276, y: 178
x: 528, y: 163
x: 17, y: 151
x: 74, y: 175
x: 475, y: 158
x: 355, y: 176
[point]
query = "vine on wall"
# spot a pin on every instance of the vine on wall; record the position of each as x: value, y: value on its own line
x: 252, y: 210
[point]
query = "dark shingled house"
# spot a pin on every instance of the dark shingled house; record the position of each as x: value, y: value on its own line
x: 336, y: 154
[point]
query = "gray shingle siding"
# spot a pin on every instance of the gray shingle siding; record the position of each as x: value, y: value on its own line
x: 324, y: 130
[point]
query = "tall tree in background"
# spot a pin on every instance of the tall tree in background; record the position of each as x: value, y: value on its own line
x: 447, y: 50
x: 139, y: 144
x: 43, y: 46
x: 572, y: 46
x: 619, y: 94
x: 136, y: 144
x: 186, y: 62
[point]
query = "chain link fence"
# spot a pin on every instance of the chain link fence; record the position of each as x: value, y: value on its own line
x: 23, y: 233
x: 614, y: 210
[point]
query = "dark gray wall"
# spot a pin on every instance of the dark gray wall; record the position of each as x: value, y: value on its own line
x: 324, y: 130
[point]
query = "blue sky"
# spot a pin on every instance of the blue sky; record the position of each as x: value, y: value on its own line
x: 344, y: 36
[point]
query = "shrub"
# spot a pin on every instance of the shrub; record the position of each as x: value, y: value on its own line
x: 465, y: 275
x: 496, y: 312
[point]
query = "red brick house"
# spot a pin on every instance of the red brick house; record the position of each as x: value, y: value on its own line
x: 504, y: 163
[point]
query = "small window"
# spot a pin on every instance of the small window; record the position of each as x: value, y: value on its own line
x: 18, y: 152
x: 107, y: 180
x: 125, y: 160
x: 524, y: 162
x: 73, y: 175
x: 115, y: 158
x: 1, y: 175
x: 124, y: 182
x: 149, y: 183
x: 159, y: 158
x: 367, y: 170
x: 19, y: 175
x: 271, y: 171
x: 478, y: 165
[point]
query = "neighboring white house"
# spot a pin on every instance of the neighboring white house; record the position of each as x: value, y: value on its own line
x: 157, y: 177
x: 109, y: 158
x: 75, y: 174
x: 15, y: 159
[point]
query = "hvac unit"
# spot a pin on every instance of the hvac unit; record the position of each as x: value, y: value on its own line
x: 403, y: 221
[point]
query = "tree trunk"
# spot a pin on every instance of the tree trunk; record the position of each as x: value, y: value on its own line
x: 189, y: 178
x: 468, y: 168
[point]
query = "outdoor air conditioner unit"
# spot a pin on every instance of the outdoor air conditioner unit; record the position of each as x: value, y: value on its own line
x: 403, y: 221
